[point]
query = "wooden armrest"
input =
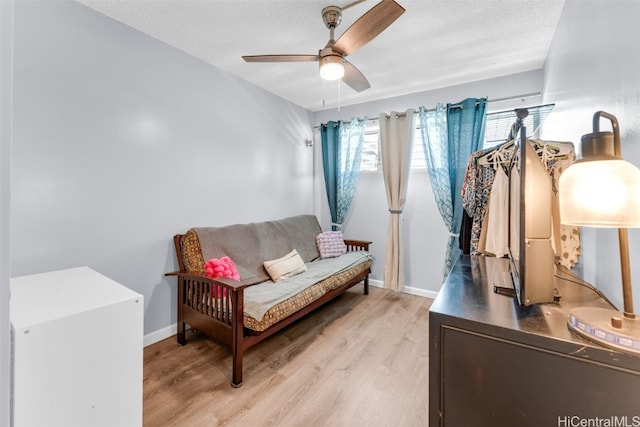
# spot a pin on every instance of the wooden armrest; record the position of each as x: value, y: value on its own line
x: 355, y: 245
x: 221, y: 281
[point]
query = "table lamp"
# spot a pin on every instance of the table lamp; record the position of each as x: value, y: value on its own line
x: 603, y: 190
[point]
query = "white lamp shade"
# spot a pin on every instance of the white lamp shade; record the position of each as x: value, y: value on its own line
x: 331, y: 68
x: 600, y: 193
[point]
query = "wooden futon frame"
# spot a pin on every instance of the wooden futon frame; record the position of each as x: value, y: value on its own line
x: 222, y: 318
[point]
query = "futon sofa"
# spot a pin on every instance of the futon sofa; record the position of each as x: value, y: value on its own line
x: 286, y: 268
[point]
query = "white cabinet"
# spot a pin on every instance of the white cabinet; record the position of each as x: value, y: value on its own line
x: 77, y: 350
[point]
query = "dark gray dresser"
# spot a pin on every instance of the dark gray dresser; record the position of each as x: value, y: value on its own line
x: 494, y: 363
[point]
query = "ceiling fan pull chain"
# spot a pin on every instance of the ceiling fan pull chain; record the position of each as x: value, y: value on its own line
x: 323, y: 95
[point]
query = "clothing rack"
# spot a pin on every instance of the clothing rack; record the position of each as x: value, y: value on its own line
x: 517, y: 128
x: 521, y: 114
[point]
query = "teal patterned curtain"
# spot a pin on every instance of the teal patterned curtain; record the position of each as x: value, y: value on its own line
x: 433, y: 129
x: 449, y: 137
x: 350, y: 157
x: 341, y: 157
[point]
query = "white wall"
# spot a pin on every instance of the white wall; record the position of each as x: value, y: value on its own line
x: 424, y: 232
x: 6, y: 65
x: 121, y: 141
x: 593, y: 65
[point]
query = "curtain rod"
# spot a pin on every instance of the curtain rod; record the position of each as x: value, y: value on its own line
x: 510, y: 98
x: 507, y: 98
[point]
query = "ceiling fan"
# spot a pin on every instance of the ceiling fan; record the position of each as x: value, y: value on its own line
x: 333, y: 65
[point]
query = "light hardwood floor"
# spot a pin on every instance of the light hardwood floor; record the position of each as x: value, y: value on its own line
x: 358, y: 361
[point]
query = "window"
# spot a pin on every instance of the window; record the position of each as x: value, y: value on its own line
x: 371, y: 156
x: 499, y: 123
x: 497, y: 131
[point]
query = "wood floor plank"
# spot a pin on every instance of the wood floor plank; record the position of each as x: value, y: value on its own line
x: 358, y: 361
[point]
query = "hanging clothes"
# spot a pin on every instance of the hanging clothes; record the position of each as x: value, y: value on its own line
x: 496, y: 241
x: 557, y: 156
x: 464, y: 237
x: 469, y: 203
x: 477, y: 187
x: 485, y: 195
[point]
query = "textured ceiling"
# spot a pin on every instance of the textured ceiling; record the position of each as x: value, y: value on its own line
x: 434, y: 44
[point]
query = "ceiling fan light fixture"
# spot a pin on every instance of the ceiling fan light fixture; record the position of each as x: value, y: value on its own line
x: 331, y: 67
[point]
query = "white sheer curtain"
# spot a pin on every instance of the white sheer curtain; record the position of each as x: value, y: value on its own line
x: 396, y: 143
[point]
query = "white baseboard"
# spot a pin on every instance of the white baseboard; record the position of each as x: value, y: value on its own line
x: 160, y: 334
x: 420, y: 292
x: 376, y: 283
x: 407, y: 289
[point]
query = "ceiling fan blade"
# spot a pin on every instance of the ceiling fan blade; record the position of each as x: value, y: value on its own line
x: 354, y: 78
x: 368, y: 26
x: 281, y: 58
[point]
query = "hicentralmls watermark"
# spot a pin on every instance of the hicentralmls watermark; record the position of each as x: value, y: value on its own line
x: 613, y: 421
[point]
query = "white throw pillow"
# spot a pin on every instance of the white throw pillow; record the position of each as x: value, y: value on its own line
x: 285, y: 267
